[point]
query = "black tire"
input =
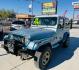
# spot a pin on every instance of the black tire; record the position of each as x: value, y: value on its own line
x: 6, y: 48
x: 45, y: 58
x: 66, y: 42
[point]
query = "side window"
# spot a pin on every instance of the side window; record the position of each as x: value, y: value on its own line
x: 66, y: 23
x: 61, y: 21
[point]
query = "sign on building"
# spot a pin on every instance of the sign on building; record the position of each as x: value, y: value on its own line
x: 48, y: 8
x: 75, y: 5
x: 75, y: 9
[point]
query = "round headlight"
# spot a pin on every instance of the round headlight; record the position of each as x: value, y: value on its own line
x: 6, y: 36
x: 10, y: 36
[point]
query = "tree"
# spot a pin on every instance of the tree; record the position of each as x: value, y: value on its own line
x: 7, y: 14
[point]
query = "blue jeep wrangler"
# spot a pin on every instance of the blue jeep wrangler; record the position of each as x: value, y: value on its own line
x: 45, y: 33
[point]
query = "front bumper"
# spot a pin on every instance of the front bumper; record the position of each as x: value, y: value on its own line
x: 16, y: 47
x: 12, y: 46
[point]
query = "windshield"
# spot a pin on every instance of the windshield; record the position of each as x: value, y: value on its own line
x: 19, y: 22
x: 45, y: 21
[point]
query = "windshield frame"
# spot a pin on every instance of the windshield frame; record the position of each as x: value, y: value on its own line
x: 49, y: 18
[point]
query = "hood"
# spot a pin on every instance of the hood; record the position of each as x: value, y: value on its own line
x: 34, y: 33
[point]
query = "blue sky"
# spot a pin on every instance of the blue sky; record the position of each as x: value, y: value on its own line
x: 21, y: 6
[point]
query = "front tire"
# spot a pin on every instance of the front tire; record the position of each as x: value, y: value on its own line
x: 45, y: 58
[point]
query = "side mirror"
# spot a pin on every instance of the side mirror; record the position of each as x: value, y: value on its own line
x: 60, y: 26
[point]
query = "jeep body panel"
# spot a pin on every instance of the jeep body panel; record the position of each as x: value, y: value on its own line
x: 35, y: 36
x: 31, y: 32
x: 38, y: 35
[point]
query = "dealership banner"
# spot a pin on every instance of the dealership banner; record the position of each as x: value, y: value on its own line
x: 49, y: 8
x: 75, y: 5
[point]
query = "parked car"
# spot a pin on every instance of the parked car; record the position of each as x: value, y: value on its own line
x: 78, y: 22
x: 75, y: 22
x: 20, y: 24
x: 5, y: 26
x: 46, y: 33
x: 17, y: 24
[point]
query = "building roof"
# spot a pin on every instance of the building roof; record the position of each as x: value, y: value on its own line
x: 47, y: 16
x: 24, y: 16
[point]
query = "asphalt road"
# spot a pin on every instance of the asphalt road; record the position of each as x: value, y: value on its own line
x: 63, y: 58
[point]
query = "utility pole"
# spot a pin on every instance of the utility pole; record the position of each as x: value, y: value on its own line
x: 56, y: 6
x: 73, y: 14
x: 31, y: 7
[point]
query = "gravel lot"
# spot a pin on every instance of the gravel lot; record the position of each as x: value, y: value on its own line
x: 63, y: 59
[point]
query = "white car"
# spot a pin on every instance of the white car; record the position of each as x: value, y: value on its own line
x: 18, y: 24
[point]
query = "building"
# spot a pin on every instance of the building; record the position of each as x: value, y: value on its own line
x: 24, y: 16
